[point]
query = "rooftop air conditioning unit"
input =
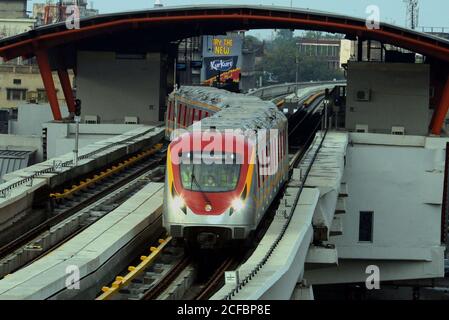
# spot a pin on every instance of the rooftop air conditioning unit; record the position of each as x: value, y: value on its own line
x: 362, y: 128
x: 131, y: 120
x: 399, y: 131
x: 91, y: 119
x: 363, y: 95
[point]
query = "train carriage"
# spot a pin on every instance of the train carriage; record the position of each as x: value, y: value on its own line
x: 222, y: 178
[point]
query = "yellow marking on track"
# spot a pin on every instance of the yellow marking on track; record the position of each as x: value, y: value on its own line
x: 123, y: 281
x: 104, y: 174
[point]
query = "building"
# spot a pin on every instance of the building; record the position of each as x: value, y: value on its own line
x: 21, y: 83
x: 327, y: 49
x: 13, y: 9
x: 14, y: 18
x: 46, y: 13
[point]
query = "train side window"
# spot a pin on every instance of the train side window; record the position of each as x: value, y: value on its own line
x: 184, y: 122
x: 283, y: 143
x: 187, y: 117
x: 169, y: 111
x: 279, y: 146
x: 179, y: 113
x: 193, y: 115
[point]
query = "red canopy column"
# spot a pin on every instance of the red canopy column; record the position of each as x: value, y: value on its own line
x: 440, y: 112
x: 67, y: 88
x: 49, y: 84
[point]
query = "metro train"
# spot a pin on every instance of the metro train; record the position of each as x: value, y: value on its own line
x: 227, y: 159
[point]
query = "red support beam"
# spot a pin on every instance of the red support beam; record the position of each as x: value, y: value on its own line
x: 440, y: 112
x: 67, y: 88
x: 49, y: 84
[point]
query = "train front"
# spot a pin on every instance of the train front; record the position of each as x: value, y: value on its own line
x: 208, y: 188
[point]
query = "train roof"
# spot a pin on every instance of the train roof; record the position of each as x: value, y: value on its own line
x: 235, y: 110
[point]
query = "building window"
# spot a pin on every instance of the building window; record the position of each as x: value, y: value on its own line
x: 366, y: 226
x: 16, y: 94
x: 17, y: 81
x: 42, y: 96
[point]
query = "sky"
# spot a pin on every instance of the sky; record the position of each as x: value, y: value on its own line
x: 433, y: 13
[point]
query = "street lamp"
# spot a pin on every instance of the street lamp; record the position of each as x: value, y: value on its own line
x: 297, y: 60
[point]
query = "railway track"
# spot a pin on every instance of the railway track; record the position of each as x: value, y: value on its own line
x: 76, y: 208
x: 180, y: 279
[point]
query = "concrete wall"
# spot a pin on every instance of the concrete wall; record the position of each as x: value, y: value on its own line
x: 114, y: 88
x: 23, y: 142
x: 399, y: 179
x: 12, y: 9
x: 403, y: 186
x: 399, y: 96
x: 31, y: 117
x: 61, y: 136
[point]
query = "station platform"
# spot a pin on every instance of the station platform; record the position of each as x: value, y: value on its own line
x: 275, y: 270
x: 91, y: 254
x: 17, y: 193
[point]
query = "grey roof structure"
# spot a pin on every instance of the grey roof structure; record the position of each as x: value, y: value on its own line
x: 13, y: 160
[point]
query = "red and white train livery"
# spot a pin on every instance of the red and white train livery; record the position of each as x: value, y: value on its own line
x: 220, y: 181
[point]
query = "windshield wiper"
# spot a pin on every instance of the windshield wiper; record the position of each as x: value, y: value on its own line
x: 193, y: 179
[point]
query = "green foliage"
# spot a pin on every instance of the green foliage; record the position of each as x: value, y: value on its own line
x: 282, y: 53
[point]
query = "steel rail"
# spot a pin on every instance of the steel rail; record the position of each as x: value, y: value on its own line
x: 134, y: 271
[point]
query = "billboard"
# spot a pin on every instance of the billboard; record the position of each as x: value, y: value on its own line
x: 222, y: 56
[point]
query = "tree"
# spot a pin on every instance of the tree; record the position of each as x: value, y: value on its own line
x: 281, y: 56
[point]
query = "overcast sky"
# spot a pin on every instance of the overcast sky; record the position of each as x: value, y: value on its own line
x: 433, y: 13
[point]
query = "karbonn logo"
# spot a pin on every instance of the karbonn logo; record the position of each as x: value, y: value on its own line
x: 221, y: 65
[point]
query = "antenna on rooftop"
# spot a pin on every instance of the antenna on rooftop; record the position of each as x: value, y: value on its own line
x: 412, y: 13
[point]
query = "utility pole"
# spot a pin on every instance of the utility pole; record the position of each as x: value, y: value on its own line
x: 298, y: 44
x: 412, y: 13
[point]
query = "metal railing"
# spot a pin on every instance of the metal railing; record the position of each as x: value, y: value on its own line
x: 5, y: 192
x: 276, y: 242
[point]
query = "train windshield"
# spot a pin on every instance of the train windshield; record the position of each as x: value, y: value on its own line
x: 210, y: 177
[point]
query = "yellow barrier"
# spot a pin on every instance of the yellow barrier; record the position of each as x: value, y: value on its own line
x: 313, y: 98
x: 121, y: 282
x: 104, y: 174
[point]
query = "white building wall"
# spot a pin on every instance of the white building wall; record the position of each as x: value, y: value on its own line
x: 31, y: 117
x: 399, y: 179
x: 61, y: 136
x: 114, y: 88
x: 399, y: 96
x: 404, y: 187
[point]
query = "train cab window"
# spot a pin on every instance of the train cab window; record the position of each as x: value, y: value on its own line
x: 220, y: 176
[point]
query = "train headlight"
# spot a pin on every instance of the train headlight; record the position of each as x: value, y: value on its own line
x: 179, y: 203
x: 238, y: 204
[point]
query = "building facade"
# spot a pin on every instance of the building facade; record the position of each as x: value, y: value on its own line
x: 13, y: 9
x: 327, y: 49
